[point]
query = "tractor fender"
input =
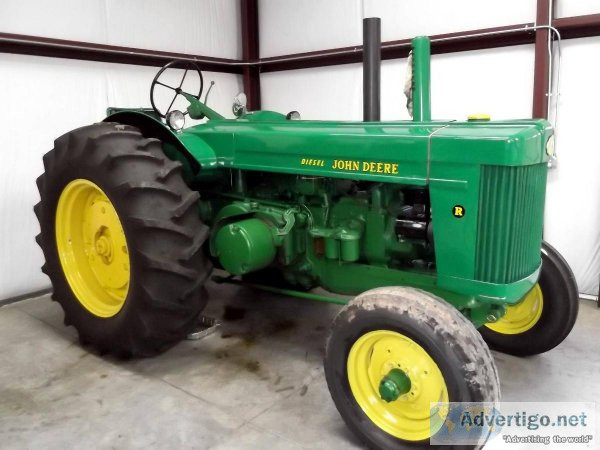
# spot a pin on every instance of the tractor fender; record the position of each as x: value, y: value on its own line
x: 203, y: 156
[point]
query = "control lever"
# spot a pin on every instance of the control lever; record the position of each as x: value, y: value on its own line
x: 212, y: 83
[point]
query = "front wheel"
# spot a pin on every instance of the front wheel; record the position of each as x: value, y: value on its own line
x: 394, y: 351
x: 544, y: 317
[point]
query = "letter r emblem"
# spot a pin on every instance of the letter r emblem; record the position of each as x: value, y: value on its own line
x: 458, y: 211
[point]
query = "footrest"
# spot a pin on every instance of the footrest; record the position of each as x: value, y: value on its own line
x: 205, y: 327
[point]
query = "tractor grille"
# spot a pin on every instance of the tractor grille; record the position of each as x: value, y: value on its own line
x: 509, y: 226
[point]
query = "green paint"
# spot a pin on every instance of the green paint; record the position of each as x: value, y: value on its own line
x: 509, y: 237
x: 245, y: 246
x: 319, y: 200
x: 198, y: 110
x: 147, y: 111
x: 393, y: 385
x: 421, y: 79
x: 286, y: 292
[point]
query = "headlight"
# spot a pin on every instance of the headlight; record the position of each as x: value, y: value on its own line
x: 176, y: 120
x: 550, y: 146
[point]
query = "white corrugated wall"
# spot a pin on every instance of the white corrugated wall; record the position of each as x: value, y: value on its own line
x: 42, y: 98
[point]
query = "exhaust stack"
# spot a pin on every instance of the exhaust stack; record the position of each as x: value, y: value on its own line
x: 371, y: 69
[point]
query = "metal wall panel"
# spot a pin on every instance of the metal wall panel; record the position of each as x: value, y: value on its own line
x: 205, y: 27
x: 572, y: 200
x: 44, y: 98
x: 291, y: 26
x: 406, y: 18
x: 568, y: 8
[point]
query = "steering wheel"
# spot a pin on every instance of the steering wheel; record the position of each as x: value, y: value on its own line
x: 189, y: 66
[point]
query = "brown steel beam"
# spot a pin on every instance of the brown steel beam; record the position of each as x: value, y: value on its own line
x: 250, y: 52
x: 578, y: 26
x: 440, y: 43
x: 61, y: 48
x: 541, y: 71
x: 569, y: 27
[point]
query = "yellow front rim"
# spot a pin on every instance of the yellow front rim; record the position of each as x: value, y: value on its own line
x: 523, y: 316
x: 92, y: 248
x: 409, y: 417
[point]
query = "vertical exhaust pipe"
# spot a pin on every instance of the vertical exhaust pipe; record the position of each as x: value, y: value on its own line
x: 371, y: 69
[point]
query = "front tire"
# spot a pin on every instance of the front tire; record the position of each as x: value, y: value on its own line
x: 396, y: 333
x: 122, y: 240
x: 545, y: 316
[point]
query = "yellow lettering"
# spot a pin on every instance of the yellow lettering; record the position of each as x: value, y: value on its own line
x: 303, y: 161
x: 458, y: 211
x: 356, y: 166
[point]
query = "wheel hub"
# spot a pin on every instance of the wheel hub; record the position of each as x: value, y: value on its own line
x: 103, y: 248
x: 393, y: 385
x: 92, y: 248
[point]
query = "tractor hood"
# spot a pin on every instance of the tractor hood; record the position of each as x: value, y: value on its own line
x: 378, y: 151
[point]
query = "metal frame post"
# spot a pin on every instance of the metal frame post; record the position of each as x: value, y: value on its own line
x: 250, y: 52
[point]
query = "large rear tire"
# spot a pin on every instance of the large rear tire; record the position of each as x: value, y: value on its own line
x: 122, y: 240
x: 545, y: 316
x: 386, y: 335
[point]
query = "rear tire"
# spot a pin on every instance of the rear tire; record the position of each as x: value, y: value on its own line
x: 410, y: 322
x: 163, y: 235
x: 559, y: 311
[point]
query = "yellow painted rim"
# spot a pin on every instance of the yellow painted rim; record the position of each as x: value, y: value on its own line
x: 523, y: 316
x: 409, y: 417
x: 92, y: 248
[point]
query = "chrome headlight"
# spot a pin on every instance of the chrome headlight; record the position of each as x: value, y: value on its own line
x: 550, y: 146
x: 176, y: 120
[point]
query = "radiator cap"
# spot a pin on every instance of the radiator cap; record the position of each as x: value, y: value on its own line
x: 479, y: 117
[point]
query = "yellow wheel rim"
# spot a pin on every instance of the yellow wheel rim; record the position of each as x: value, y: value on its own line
x: 523, y: 316
x: 408, y: 417
x: 92, y: 248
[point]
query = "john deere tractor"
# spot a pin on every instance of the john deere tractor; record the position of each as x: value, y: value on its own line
x: 434, y: 226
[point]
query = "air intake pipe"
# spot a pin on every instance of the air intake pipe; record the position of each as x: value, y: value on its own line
x: 421, y: 79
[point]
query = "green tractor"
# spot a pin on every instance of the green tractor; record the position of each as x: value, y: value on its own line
x: 434, y: 226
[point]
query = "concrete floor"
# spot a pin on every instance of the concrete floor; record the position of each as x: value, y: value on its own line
x: 256, y: 383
